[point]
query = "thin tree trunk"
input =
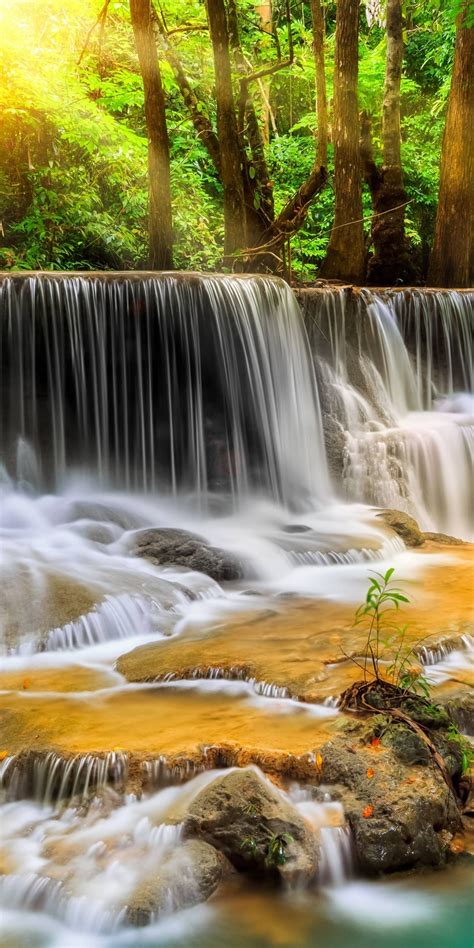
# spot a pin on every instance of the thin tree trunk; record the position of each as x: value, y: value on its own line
x: 345, y: 254
x: 317, y: 17
x: 452, y: 258
x: 160, y: 225
x: 258, y: 194
x: 265, y: 15
x: 391, y: 261
x: 231, y: 159
x: 200, y: 120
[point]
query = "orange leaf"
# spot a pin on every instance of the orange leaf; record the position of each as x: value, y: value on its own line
x: 370, y: 773
x: 3, y: 755
x: 375, y: 742
x: 319, y: 761
x: 367, y: 811
x: 26, y: 683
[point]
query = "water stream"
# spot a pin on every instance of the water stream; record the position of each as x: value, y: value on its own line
x: 217, y: 406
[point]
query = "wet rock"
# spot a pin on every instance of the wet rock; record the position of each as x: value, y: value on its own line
x: 444, y: 538
x: 460, y: 706
x: 405, y: 526
x: 166, y: 546
x: 400, y: 809
x: 408, y: 746
x: 296, y: 528
x: 190, y: 874
x: 254, y: 825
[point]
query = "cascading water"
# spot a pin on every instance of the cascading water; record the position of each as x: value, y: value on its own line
x: 138, y: 402
x: 395, y: 370
x: 162, y: 383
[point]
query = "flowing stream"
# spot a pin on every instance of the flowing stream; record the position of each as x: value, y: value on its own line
x: 270, y: 427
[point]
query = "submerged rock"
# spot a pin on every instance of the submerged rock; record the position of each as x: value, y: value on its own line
x: 190, y: 875
x: 254, y: 825
x: 166, y: 546
x: 405, y: 526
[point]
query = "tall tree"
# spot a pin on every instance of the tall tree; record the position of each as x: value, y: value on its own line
x: 160, y: 224
x: 265, y: 15
x: 452, y: 258
x: 230, y: 152
x: 317, y: 17
x: 391, y: 261
x: 345, y: 255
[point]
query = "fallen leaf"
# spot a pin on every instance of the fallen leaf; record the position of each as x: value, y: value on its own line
x: 3, y: 755
x: 319, y: 761
x: 370, y: 773
x: 367, y: 811
x: 375, y: 742
x: 26, y: 683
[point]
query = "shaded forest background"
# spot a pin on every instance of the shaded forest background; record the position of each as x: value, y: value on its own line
x: 74, y: 156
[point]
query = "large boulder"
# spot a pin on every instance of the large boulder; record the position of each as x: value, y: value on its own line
x: 405, y: 526
x: 254, y: 826
x: 166, y: 546
x: 400, y: 809
x: 189, y: 875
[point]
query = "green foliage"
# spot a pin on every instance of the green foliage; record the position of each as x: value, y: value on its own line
x: 274, y: 854
x: 387, y: 656
x: 73, y: 151
x: 465, y: 746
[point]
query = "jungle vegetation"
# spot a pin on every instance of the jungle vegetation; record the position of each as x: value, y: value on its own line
x: 311, y: 139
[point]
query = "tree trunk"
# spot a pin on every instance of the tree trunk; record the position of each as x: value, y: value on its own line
x: 200, y: 120
x: 345, y: 254
x: 265, y: 16
x: 391, y: 261
x: 317, y: 17
x: 452, y: 258
x: 160, y: 225
x: 258, y: 194
x: 231, y: 172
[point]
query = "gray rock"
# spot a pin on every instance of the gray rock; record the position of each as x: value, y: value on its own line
x: 254, y: 825
x: 460, y: 706
x: 190, y: 874
x: 166, y: 546
x: 401, y: 811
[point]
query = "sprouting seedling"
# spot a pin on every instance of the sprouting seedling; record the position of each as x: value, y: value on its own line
x: 381, y: 598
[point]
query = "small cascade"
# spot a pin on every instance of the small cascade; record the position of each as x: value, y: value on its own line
x: 336, y: 863
x: 118, y: 617
x: 194, y: 383
x: 395, y: 374
x: 50, y: 778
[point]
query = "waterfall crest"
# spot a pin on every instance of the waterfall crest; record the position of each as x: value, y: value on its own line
x: 168, y: 382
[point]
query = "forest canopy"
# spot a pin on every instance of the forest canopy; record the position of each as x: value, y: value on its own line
x: 74, y: 172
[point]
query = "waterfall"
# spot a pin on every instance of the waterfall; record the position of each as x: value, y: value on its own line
x: 396, y: 379
x: 164, y: 382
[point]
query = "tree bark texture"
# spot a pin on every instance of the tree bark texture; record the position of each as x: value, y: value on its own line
x: 160, y: 225
x: 231, y: 170
x: 317, y: 17
x: 258, y: 193
x: 452, y: 257
x: 391, y: 261
x: 345, y: 258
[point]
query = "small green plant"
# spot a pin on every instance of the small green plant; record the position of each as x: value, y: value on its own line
x: 276, y: 849
x: 386, y: 649
x: 466, y: 748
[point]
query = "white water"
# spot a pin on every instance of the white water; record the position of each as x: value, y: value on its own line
x: 397, y: 381
x: 194, y: 404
